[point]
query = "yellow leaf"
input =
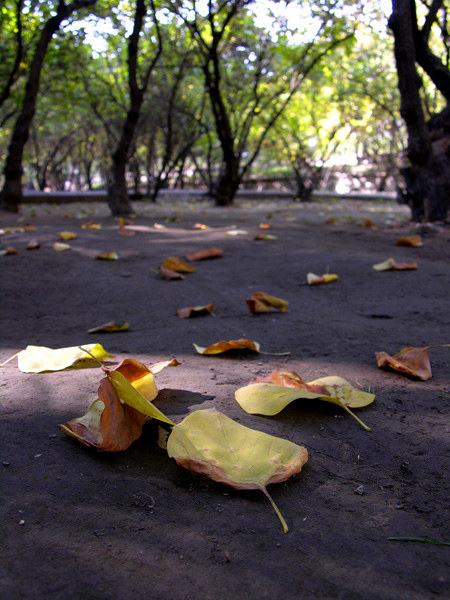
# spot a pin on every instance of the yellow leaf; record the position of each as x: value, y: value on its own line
x: 271, y: 395
x: 313, y: 279
x: 91, y: 225
x: 176, y: 264
x: 223, y: 346
x: 262, y: 237
x: 260, y: 302
x: 110, y: 327
x: 201, y: 226
x: 210, y: 443
x: 60, y: 247
x: 65, y: 236
x: 108, y: 256
x: 391, y: 265
x: 37, y: 359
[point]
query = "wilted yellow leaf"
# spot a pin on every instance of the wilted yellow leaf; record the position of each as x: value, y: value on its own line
x: 409, y: 240
x: 108, y: 256
x: 176, y: 264
x: 391, y: 265
x: 38, y: 359
x: 65, y: 236
x: 110, y: 327
x: 203, y: 254
x: 271, y: 395
x: 192, y: 311
x: 60, y: 246
x: 210, y: 443
x: 260, y: 302
x: 313, y: 279
x: 223, y: 346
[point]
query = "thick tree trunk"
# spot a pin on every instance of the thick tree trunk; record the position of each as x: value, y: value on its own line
x: 118, y: 199
x: 11, y: 195
x: 427, y: 178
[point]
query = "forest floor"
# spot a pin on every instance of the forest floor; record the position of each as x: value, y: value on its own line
x: 78, y: 524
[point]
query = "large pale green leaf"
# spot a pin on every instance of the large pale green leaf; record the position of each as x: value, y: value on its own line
x: 210, y: 443
x: 271, y: 395
x: 38, y: 359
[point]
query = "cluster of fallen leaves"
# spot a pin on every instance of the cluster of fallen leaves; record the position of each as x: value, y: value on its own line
x: 207, y: 441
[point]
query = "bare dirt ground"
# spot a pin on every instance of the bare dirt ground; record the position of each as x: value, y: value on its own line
x: 77, y: 524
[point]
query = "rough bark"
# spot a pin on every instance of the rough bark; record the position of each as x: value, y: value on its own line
x: 427, y: 177
x: 11, y: 195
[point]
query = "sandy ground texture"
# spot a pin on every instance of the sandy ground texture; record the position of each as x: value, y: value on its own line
x: 78, y: 524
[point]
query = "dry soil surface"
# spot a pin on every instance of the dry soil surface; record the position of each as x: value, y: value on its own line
x: 81, y: 525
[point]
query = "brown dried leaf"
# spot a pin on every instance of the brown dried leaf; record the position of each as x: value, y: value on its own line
x: 223, y: 346
x: 391, y: 265
x: 194, y: 311
x: 169, y: 274
x: 110, y: 327
x: 8, y: 251
x: 414, y: 362
x: 176, y: 264
x: 409, y: 240
x: 33, y: 245
x: 260, y: 302
x: 203, y: 254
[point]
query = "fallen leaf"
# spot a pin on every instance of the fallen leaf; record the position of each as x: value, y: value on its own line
x: 223, y: 346
x: 193, y: 311
x: 60, y: 246
x: 159, y: 226
x: 203, y: 254
x: 91, y: 225
x: 169, y: 274
x: 123, y: 228
x: 38, y: 359
x: 28, y: 227
x: 331, y: 221
x: 201, y: 226
x: 212, y: 444
x: 116, y: 418
x: 235, y: 232
x: 65, y: 236
x: 110, y: 327
x: 264, y: 226
x: 270, y: 395
x: 260, y: 302
x: 368, y: 223
x: 409, y: 240
x: 391, y: 265
x: 414, y: 362
x: 176, y: 264
x: 107, y: 256
x: 263, y: 237
x: 159, y: 366
x: 313, y: 279
x: 33, y: 245
x: 8, y: 251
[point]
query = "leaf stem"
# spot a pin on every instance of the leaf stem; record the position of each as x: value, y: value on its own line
x: 9, y: 360
x: 355, y: 417
x: 276, y: 509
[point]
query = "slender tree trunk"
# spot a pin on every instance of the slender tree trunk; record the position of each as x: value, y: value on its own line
x: 11, y: 195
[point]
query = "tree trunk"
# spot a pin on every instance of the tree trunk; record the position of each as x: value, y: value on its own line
x: 427, y: 177
x: 11, y: 195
